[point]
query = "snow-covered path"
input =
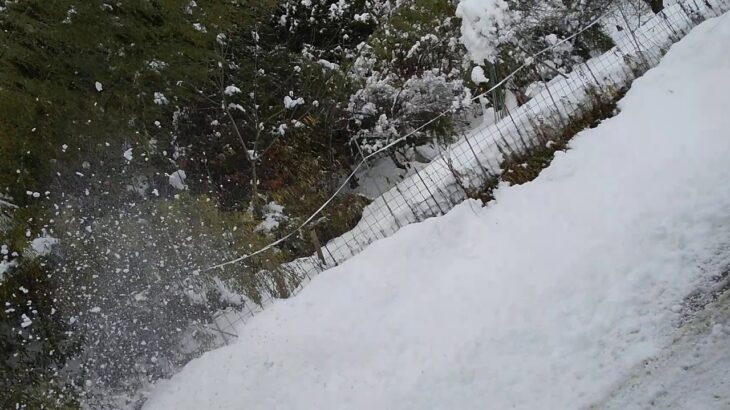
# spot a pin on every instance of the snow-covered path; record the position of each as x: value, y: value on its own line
x: 551, y: 297
x: 692, y: 373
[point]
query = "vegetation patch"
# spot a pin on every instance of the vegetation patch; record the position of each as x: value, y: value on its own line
x: 520, y: 168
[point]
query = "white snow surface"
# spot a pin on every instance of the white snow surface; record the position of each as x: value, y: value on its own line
x: 273, y: 216
x: 43, y: 245
x: 5, y: 267
x: 177, y: 179
x: 485, y: 25
x: 478, y: 76
x: 550, y: 297
x: 693, y: 373
x: 292, y: 103
x: 231, y: 90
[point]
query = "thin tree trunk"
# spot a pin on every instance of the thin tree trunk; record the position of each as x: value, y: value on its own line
x: 255, y: 189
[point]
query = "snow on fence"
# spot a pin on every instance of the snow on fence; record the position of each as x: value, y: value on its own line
x: 476, y: 158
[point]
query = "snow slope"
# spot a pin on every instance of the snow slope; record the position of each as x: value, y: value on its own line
x: 550, y: 297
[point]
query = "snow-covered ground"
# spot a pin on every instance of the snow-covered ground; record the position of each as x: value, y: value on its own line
x: 567, y: 292
x: 692, y: 373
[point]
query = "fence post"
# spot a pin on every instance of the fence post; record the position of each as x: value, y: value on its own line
x: 517, y: 128
x: 487, y: 175
x: 317, y: 246
x: 413, y: 211
x: 632, y: 34
x: 331, y: 255
x: 550, y: 94
x: 387, y: 205
x: 593, y: 75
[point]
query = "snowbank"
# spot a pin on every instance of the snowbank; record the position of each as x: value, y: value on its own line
x: 548, y: 298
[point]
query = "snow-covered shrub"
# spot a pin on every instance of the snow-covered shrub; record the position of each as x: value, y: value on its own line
x: 387, y: 107
x: 493, y: 30
x: 408, y: 73
x: 502, y: 35
x: 486, y: 26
